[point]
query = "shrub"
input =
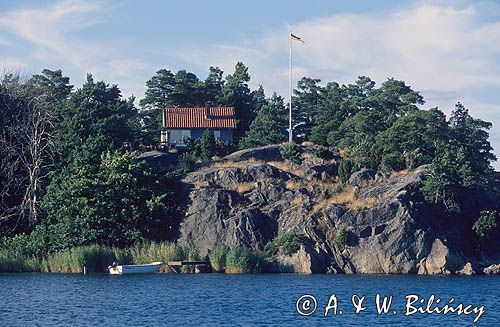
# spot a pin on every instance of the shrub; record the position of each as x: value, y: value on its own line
x: 345, y: 170
x: 486, y: 224
x: 24, y: 245
x: 289, y: 243
x: 208, y: 145
x: 187, y: 162
x: 217, y: 257
x: 291, y: 151
x: 323, y: 153
x: 341, y: 238
x: 242, y: 260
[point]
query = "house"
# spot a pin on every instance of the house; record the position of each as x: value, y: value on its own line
x: 179, y: 123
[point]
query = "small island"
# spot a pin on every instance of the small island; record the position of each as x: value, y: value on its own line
x: 201, y: 170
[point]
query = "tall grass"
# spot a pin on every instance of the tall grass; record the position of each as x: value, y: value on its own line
x: 241, y: 260
x: 11, y: 261
x: 148, y: 252
x: 95, y: 258
x: 217, y: 257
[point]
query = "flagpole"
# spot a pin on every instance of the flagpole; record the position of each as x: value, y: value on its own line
x: 290, y: 91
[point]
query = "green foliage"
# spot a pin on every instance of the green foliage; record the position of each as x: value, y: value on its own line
x: 411, y: 140
x: 288, y: 243
x: 441, y: 186
x: 147, y: 252
x: 168, y: 89
x: 469, y: 138
x: 117, y: 202
x: 217, y: 257
x: 486, y: 224
x: 306, y: 101
x: 291, y: 151
x: 460, y: 163
x: 242, y: 260
x: 323, y: 153
x: 95, y: 258
x: 11, y: 261
x: 208, y: 145
x: 205, y: 148
x: 29, y: 112
x: 236, y: 93
x: 23, y: 245
x: 95, y: 114
x: 341, y: 238
x: 269, y: 126
x: 345, y: 170
x: 187, y: 162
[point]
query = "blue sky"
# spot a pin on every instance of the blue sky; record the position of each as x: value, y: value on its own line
x: 448, y: 50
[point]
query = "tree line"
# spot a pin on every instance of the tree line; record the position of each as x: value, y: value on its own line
x: 69, y: 173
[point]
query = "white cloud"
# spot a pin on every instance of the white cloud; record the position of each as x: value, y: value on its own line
x: 46, y: 29
x: 51, y: 32
x: 447, y: 53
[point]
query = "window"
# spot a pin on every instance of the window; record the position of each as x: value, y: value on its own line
x: 217, y: 135
x: 182, y: 134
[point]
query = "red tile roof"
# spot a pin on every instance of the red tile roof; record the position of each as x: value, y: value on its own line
x: 219, y: 117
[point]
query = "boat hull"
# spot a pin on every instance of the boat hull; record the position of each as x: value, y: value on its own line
x: 149, y: 268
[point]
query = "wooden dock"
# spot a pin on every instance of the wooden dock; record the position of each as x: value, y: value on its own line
x: 188, y: 263
x: 200, y: 266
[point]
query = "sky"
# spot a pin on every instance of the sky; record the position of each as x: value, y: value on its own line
x: 447, y: 50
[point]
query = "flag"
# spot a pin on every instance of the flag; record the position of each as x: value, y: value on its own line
x: 295, y: 38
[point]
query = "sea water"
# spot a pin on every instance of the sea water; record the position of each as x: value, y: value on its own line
x: 246, y: 300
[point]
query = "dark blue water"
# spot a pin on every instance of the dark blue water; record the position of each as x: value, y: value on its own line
x: 218, y: 299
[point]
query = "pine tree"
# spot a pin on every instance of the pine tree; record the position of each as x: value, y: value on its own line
x: 269, y: 126
x: 236, y: 93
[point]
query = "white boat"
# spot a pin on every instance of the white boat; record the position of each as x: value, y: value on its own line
x: 135, y: 269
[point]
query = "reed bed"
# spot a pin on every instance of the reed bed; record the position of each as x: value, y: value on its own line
x: 243, y: 261
x: 95, y: 258
x: 11, y: 261
x: 148, y: 252
x: 217, y: 257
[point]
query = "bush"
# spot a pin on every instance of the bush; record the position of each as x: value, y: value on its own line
x: 187, y: 162
x: 323, y: 153
x: 24, y: 245
x: 116, y: 201
x: 241, y: 260
x: 291, y: 152
x: 345, y: 170
x: 341, y: 238
x: 208, y: 145
x: 217, y: 257
x: 223, y: 148
x: 486, y: 224
x: 289, y: 243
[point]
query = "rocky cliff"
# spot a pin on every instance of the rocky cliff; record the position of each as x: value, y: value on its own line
x: 374, y: 224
